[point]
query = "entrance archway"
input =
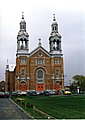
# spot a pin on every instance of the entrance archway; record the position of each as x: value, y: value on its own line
x: 40, y: 79
x: 23, y: 86
x: 57, y: 86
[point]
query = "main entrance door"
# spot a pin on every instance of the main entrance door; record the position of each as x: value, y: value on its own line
x: 40, y: 74
x: 57, y: 86
x: 40, y: 87
x: 23, y: 86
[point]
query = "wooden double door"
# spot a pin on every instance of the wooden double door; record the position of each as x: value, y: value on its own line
x: 23, y: 86
x: 40, y: 87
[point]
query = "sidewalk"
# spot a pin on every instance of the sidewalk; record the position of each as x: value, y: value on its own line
x: 8, y: 110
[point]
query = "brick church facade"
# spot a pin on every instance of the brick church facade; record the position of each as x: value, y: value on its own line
x: 38, y: 70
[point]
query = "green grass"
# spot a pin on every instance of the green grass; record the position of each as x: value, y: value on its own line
x: 60, y: 107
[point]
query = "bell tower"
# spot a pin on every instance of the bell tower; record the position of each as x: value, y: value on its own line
x: 57, y: 68
x: 22, y: 38
x: 55, y: 38
x: 22, y: 58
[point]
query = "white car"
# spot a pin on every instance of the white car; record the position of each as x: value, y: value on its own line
x: 23, y: 93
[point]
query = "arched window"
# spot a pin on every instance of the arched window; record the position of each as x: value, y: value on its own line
x: 22, y: 72
x: 54, y: 44
x: 40, y: 74
x: 57, y: 72
x: 53, y: 28
x: 57, y: 44
x: 20, y: 26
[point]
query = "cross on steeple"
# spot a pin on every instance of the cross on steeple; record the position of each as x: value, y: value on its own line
x: 7, y: 66
x: 54, y: 17
x: 22, y: 15
x: 39, y: 42
x: 7, y: 61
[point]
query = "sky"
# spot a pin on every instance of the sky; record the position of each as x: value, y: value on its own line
x: 70, y: 16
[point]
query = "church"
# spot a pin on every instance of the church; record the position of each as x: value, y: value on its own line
x: 40, y: 69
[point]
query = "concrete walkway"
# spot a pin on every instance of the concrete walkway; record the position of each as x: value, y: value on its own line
x: 8, y: 110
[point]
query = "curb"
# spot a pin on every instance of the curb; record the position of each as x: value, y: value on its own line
x: 21, y: 109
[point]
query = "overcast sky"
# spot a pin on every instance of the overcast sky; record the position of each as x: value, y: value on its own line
x: 70, y: 16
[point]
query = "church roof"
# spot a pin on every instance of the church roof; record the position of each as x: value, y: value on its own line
x: 40, y: 48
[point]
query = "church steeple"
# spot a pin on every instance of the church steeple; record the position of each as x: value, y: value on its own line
x: 22, y: 38
x: 23, y: 23
x: 55, y: 38
x: 54, y: 25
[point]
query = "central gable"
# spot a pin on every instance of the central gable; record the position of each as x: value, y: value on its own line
x: 39, y: 51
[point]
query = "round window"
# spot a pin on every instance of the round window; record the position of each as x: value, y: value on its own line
x: 39, y: 54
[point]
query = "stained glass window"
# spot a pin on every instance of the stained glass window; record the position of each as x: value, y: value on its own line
x: 40, y: 74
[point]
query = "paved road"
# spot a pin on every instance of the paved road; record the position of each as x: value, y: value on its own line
x: 8, y: 110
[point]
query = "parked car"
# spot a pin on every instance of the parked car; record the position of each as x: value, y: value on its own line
x: 18, y: 93
x: 41, y: 93
x: 23, y: 93
x: 14, y: 94
x: 46, y: 93
x: 2, y: 95
x: 53, y: 92
x: 67, y: 92
x: 38, y: 93
x: 28, y: 93
x: 7, y: 94
x: 31, y: 93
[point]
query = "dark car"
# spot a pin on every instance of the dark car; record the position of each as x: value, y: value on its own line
x: 53, y: 92
x: 14, y: 94
x: 32, y: 93
x: 7, y: 94
x: 46, y: 93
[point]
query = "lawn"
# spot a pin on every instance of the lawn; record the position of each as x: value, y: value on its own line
x: 60, y: 107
